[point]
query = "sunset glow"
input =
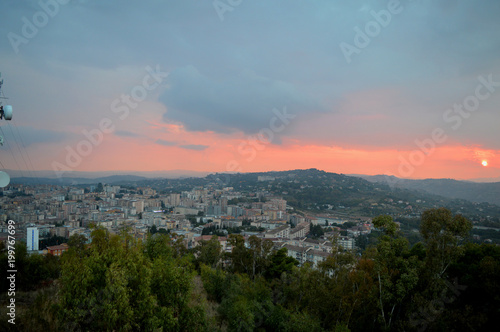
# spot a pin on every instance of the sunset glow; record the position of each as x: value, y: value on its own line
x: 215, y: 96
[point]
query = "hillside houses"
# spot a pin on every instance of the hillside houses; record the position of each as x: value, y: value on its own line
x: 66, y: 210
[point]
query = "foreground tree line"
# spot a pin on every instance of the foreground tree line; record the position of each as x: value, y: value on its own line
x: 121, y: 284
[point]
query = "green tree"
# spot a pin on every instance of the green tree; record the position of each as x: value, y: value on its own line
x: 77, y: 243
x: 153, y: 229
x: 443, y: 233
x: 215, y: 282
x: 397, y: 272
x: 475, y: 306
x: 252, y: 260
x: 316, y: 231
x: 120, y: 284
x: 32, y: 270
x: 209, y: 252
x: 246, y: 304
x: 280, y: 263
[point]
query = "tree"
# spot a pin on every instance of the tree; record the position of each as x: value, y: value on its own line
x: 280, y: 263
x: 52, y: 241
x: 239, y: 254
x: 192, y: 220
x: 209, y: 252
x: 253, y: 260
x: 260, y: 250
x: 246, y: 303
x: 475, y: 307
x: 153, y: 229
x: 316, y: 231
x: 119, y: 284
x: 397, y: 273
x: 77, y: 242
x: 33, y: 270
x: 442, y: 233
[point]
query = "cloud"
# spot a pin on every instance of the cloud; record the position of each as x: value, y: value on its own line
x: 196, y: 147
x: 227, y: 77
x: 239, y: 103
x: 26, y: 136
x: 126, y: 133
x: 165, y: 143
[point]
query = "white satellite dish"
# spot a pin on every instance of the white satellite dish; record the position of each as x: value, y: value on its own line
x: 4, y: 179
x: 7, y: 112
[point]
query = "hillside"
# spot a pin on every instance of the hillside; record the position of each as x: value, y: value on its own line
x: 471, y: 191
x: 317, y: 190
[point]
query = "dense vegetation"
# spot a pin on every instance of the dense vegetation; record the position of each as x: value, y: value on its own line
x: 119, y: 283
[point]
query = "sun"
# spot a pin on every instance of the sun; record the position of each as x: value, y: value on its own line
x: 484, y: 163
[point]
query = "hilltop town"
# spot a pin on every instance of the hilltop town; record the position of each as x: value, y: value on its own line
x: 197, y: 209
x: 61, y: 212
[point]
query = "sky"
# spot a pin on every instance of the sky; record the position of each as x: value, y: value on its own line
x: 406, y: 88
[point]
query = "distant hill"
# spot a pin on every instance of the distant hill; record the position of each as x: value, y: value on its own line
x: 110, y: 177
x: 319, y: 190
x: 471, y: 191
x: 312, y: 189
x: 68, y: 181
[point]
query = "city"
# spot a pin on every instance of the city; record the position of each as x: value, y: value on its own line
x: 65, y: 211
x: 232, y: 165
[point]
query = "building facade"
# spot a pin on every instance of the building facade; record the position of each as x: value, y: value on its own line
x: 32, y: 238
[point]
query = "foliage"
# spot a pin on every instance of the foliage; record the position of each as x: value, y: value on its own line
x: 442, y: 235
x: 52, y: 241
x: 252, y: 260
x: 280, y: 263
x: 153, y: 229
x: 33, y: 270
x: 209, y: 252
x: 120, y: 283
x: 316, y: 231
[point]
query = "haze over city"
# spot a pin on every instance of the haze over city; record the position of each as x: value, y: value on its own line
x: 240, y: 165
x: 408, y: 88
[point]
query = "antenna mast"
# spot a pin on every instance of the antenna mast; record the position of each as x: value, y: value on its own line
x: 5, y: 113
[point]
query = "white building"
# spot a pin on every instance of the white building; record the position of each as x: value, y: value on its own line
x: 347, y: 243
x: 306, y: 254
x: 32, y: 238
x: 279, y: 232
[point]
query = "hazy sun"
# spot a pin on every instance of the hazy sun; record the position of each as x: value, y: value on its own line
x: 484, y: 163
